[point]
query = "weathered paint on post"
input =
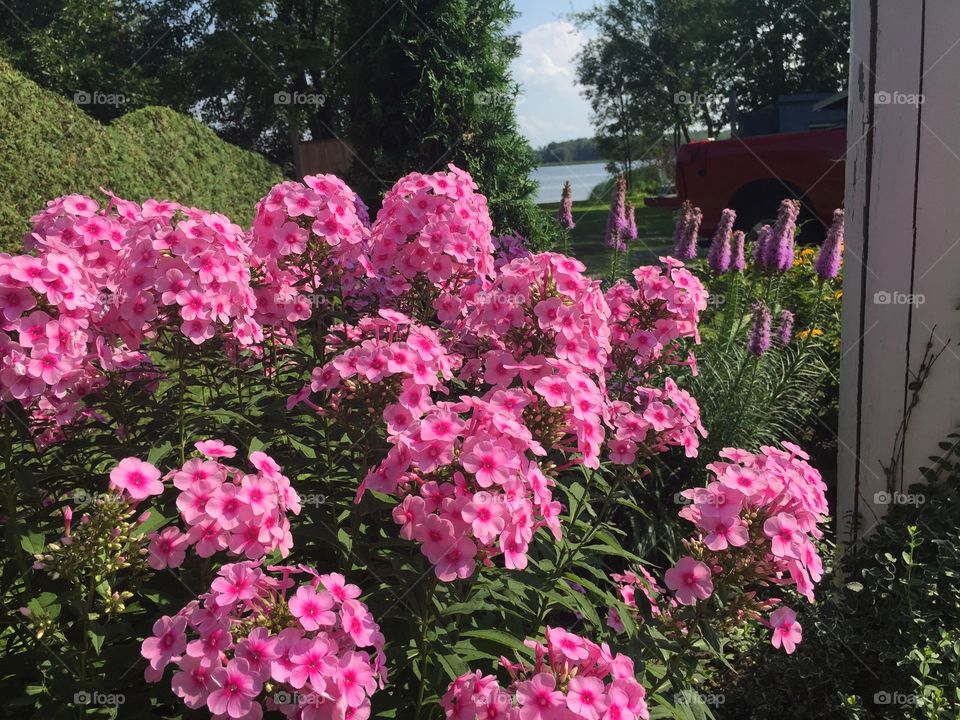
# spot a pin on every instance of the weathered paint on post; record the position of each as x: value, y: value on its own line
x: 902, y: 256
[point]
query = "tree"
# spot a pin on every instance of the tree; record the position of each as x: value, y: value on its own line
x: 431, y: 85
x: 778, y: 47
x: 264, y: 73
x: 651, y: 69
x: 411, y: 84
x: 663, y: 67
x: 110, y: 57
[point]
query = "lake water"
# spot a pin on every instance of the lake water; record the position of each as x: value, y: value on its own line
x: 583, y: 178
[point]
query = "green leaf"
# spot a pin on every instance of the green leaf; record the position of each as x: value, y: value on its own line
x: 97, y: 635
x: 498, y: 637
x: 33, y: 542
x: 158, y: 453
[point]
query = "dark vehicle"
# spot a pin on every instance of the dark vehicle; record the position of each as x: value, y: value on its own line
x: 752, y: 174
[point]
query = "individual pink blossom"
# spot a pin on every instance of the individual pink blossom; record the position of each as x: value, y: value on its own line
x: 215, y: 449
x: 490, y: 462
x: 690, y: 579
x: 236, y: 582
x: 724, y: 532
x: 786, y: 630
x: 569, y: 645
x: 311, y: 608
x: 137, y: 478
x: 193, y: 682
x: 259, y: 650
x: 167, y: 549
x: 355, y: 679
x: 538, y: 698
x: 783, y: 534
x: 586, y: 697
x: 167, y: 642
x: 309, y: 659
x: 236, y: 687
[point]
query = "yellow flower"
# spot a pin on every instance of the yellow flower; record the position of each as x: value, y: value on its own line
x: 813, y: 332
x: 804, y: 257
x: 838, y: 294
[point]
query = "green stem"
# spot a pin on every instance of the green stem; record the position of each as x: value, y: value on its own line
x: 739, y: 318
x: 564, y: 559
x: 181, y: 394
x: 422, y: 655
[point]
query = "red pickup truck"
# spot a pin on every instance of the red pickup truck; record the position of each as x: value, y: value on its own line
x: 753, y: 174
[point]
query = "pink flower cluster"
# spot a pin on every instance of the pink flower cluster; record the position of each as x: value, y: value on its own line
x: 757, y: 520
x: 103, y: 282
x: 647, y: 326
x: 432, y: 231
x: 647, y: 320
x: 655, y: 420
x: 521, y: 373
x: 541, y: 325
x: 466, y: 471
x: 253, y: 643
x: 389, y: 361
x: 532, y: 344
x: 224, y: 508
x: 571, y: 678
x: 470, y: 484
x: 308, y: 239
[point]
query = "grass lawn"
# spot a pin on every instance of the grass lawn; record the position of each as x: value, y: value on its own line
x: 654, y: 235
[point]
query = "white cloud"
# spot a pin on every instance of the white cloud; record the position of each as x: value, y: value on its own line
x: 552, y: 107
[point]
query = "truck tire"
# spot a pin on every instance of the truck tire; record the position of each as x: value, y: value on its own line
x: 757, y: 205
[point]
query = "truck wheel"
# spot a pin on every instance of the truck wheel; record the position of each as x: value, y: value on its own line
x: 757, y: 209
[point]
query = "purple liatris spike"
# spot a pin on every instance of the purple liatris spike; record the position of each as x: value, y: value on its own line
x: 719, y: 257
x: 565, y: 213
x: 617, y: 219
x: 761, y: 248
x: 737, y: 264
x: 759, y: 341
x: 785, y: 327
x: 827, y: 263
x: 686, y: 248
x: 631, y: 222
x: 780, y: 248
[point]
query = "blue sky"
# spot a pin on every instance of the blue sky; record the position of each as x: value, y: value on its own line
x: 550, y: 106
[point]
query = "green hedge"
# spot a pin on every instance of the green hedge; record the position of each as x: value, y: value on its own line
x: 50, y: 147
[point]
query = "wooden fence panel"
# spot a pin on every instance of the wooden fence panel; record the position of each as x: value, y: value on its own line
x: 902, y: 259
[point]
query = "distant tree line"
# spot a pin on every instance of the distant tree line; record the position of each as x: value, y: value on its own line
x: 655, y: 69
x: 566, y: 151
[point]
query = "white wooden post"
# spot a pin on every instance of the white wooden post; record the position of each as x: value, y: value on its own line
x: 901, y: 276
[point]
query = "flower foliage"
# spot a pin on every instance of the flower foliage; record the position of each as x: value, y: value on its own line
x: 225, y: 509
x: 452, y: 382
x: 433, y: 231
x: 532, y: 349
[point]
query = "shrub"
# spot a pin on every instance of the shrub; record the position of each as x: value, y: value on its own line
x: 453, y: 432
x: 49, y: 147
